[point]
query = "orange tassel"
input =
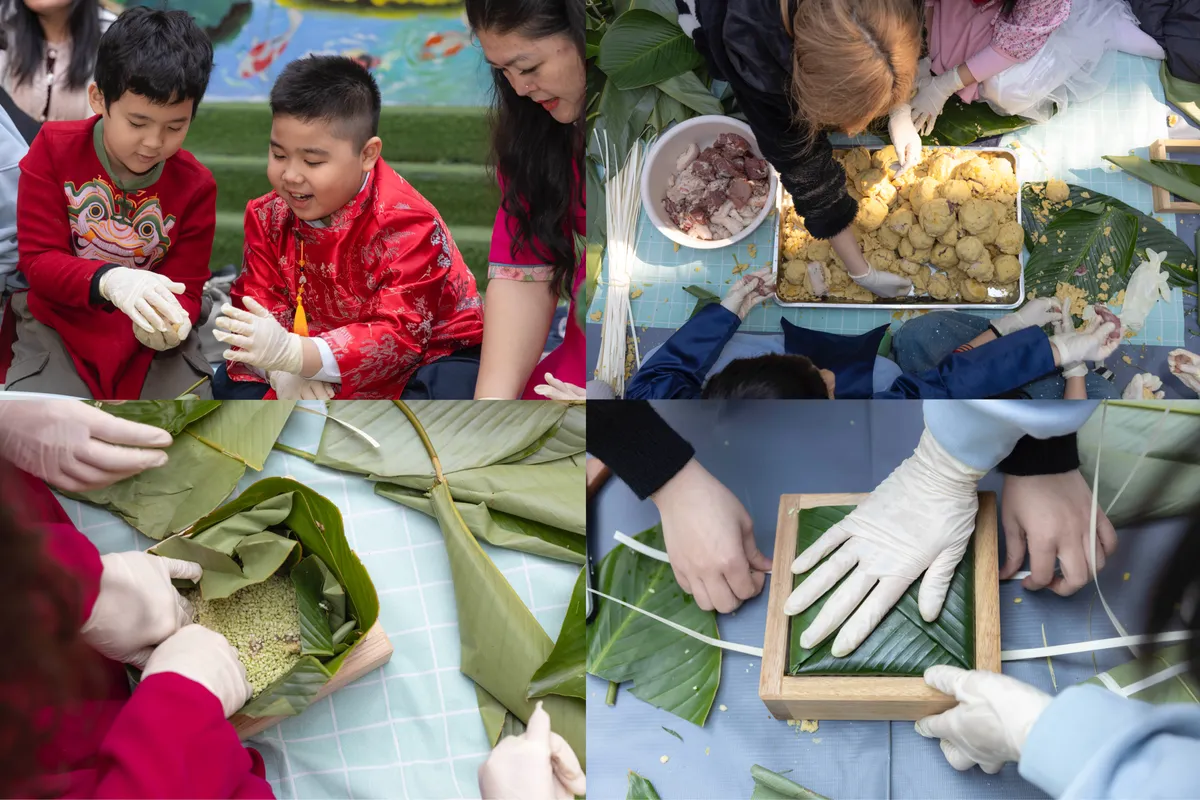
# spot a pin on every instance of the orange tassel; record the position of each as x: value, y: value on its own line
x: 300, y: 322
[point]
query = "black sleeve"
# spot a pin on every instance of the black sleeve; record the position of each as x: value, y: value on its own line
x: 95, y: 297
x: 1052, y: 456
x: 632, y: 440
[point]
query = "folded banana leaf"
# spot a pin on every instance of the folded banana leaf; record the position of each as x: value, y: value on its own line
x: 499, y: 529
x: 272, y: 522
x: 640, y: 788
x: 903, y: 643
x: 562, y: 673
x: 205, y: 462
x: 773, y: 786
x: 170, y: 415
x: 1185, y: 95
x: 669, y: 669
x: 1181, y: 688
x: 569, y: 438
x: 1164, y: 484
x: 1156, y: 174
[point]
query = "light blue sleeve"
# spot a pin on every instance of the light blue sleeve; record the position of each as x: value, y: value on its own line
x: 12, y: 150
x: 981, y: 433
x: 884, y: 374
x: 1092, y: 743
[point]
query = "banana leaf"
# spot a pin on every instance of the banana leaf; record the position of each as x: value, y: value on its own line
x: 703, y: 297
x: 170, y: 415
x: 1091, y: 225
x: 497, y: 528
x: 1189, y: 172
x: 562, y: 673
x: 552, y: 493
x: 1178, y: 689
x: 199, y: 475
x: 904, y: 643
x: 465, y: 435
x: 641, y: 48
x: 1157, y: 175
x: 640, y: 788
x: 1185, y: 95
x: 502, y: 643
x: 316, y: 637
x: 669, y: 669
x: 1164, y: 484
x: 773, y: 786
x: 569, y: 438
x: 963, y: 123
x: 595, y: 260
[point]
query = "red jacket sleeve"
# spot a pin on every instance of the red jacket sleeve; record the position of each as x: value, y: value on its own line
x: 172, y: 740
x: 260, y: 279
x: 44, y: 240
x: 188, y: 259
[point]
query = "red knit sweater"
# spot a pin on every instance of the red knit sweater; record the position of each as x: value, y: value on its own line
x: 73, y: 218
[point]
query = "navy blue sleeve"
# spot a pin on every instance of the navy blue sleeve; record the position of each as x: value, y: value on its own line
x: 993, y: 369
x: 678, y: 369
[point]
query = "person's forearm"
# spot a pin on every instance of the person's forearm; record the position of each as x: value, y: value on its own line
x: 1076, y: 388
x: 964, y: 75
x: 850, y: 252
x: 311, y: 364
x: 516, y: 322
x: 979, y: 341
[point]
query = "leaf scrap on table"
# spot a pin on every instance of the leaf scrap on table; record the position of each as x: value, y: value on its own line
x: 640, y: 788
x: 770, y: 785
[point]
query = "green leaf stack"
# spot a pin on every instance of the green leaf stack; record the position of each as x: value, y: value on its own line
x: 962, y: 123
x: 903, y: 644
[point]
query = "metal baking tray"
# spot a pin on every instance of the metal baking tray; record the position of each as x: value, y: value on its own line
x: 914, y: 302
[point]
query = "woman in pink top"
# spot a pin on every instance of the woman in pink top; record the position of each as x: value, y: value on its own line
x: 536, y: 52
x: 1023, y: 57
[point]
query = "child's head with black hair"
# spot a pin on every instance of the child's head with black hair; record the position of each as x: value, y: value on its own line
x: 770, y: 377
x: 324, y: 133
x: 151, y: 73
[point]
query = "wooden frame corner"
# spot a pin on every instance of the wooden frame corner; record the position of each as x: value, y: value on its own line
x: 1164, y: 202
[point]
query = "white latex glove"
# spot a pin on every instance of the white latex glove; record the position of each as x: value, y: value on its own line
x: 1147, y: 284
x: 206, y: 657
x: 1034, y: 314
x: 1142, y: 384
x: 883, y: 284
x: 294, y: 387
x: 137, y: 607
x: 1064, y: 325
x: 931, y: 99
x: 76, y: 447
x: 710, y: 540
x: 904, y: 137
x: 991, y: 722
x: 749, y: 291
x: 162, y: 340
x: 145, y: 297
x: 554, y: 389
x: 919, y: 520
x: 1185, y: 366
x: 263, y: 342
x: 1095, y: 343
x: 536, y: 765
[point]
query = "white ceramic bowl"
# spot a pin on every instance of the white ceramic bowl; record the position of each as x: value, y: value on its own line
x: 660, y: 166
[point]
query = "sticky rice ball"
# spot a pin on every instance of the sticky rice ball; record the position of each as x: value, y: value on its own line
x: 976, y: 216
x: 873, y: 183
x: 937, y: 218
x: 922, y: 255
x: 818, y: 250
x: 1010, y: 238
x: 951, y: 236
x: 838, y: 278
x: 923, y: 191
x: 905, y: 249
x: 888, y: 238
x: 969, y: 249
x: 794, y: 272
x: 908, y: 267
x: 795, y: 243
x: 955, y: 191
x: 981, y: 269
x: 978, y: 174
x: 886, y: 159
x: 1002, y: 212
x: 941, y: 169
x: 920, y: 278
x: 871, y: 213
x: 988, y: 236
x: 973, y: 291
x: 1057, y: 191
x: 919, y: 238
x: 856, y: 161
x: 1008, y: 269
x: 883, y: 260
x: 943, y: 256
x: 939, y: 286
x: 900, y: 221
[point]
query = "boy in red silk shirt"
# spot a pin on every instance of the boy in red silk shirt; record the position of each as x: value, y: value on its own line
x: 115, y: 225
x: 351, y: 282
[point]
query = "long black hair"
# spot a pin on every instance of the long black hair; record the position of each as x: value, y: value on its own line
x: 538, y: 156
x: 27, y: 42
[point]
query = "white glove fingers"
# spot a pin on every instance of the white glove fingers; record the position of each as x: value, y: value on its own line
x: 232, y: 339
x: 140, y: 320
x: 228, y: 311
x: 538, y: 728
x: 838, y: 607
x: 234, y: 325
x: 931, y: 596
x: 823, y: 578
x: 255, y: 308
x: 957, y: 758
x: 935, y: 726
x: 179, y: 569
x: 184, y: 613
x: 77, y: 475
x: 946, y: 679
x: 140, y: 658
x: 118, y: 460
x: 829, y: 541
x: 149, y: 314
x: 114, y: 430
x: 164, y: 301
x: 862, y: 623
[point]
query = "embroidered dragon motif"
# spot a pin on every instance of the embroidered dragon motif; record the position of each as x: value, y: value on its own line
x: 115, y: 229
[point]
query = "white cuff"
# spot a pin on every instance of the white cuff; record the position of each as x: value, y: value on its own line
x: 329, y: 372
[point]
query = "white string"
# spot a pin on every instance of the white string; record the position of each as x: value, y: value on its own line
x: 1094, y: 645
x: 737, y: 648
x: 343, y: 423
x: 1158, y: 428
x: 1116, y: 623
x: 644, y: 549
x: 1154, y: 680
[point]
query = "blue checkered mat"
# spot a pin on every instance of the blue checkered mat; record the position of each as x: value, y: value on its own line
x: 1130, y: 115
x: 411, y: 729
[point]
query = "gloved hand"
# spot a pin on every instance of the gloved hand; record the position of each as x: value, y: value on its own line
x: 883, y: 284
x: 991, y: 722
x: 162, y: 340
x: 1186, y: 367
x: 206, y: 657
x: 1053, y: 514
x: 904, y: 137
x: 536, y: 765
x: 1064, y: 325
x: 931, y: 99
x: 146, y: 297
x: 1095, y: 343
x: 263, y: 341
x: 1034, y: 314
x: 1143, y: 384
x: 554, y: 389
x: 710, y: 540
x: 294, y: 387
x: 919, y: 520
x: 76, y: 447
x: 137, y: 607
x: 748, y: 291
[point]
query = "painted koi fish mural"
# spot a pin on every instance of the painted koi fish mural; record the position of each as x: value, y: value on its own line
x: 444, y: 45
x: 117, y: 230
x: 262, y: 54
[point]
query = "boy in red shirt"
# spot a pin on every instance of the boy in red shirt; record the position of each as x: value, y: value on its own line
x: 350, y: 282
x: 115, y: 225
